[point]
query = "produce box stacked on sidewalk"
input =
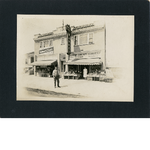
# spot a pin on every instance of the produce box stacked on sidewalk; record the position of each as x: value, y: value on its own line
x: 71, y: 75
x: 93, y: 76
x: 109, y: 76
x: 102, y: 76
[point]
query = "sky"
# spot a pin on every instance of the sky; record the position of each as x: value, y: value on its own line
x: 119, y: 33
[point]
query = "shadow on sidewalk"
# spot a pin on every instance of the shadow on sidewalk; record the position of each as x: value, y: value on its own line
x: 64, y: 86
x: 45, y: 93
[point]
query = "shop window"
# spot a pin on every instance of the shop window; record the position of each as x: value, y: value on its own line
x: 32, y: 59
x: 76, y: 40
x: 46, y: 44
x: 40, y: 44
x: 83, y: 39
x: 90, y: 38
x: 62, y: 41
x: 51, y: 43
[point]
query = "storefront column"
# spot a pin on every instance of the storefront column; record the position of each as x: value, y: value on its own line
x: 66, y: 65
x: 59, y: 62
x: 66, y: 68
x: 78, y: 67
x: 89, y: 69
x: 35, y: 73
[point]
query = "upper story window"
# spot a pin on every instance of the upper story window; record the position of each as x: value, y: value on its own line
x: 76, y: 40
x: 40, y: 44
x: 83, y: 39
x: 62, y: 41
x: 90, y: 38
x: 32, y: 59
x: 51, y: 43
x: 46, y: 43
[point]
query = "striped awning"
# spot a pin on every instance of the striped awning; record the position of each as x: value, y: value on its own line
x: 86, y: 61
x: 43, y: 63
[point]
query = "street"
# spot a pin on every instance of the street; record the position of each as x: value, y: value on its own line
x: 31, y: 87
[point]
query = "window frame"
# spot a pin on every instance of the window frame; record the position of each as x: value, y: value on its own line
x: 77, y: 40
x: 41, y: 44
x: 51, y: 40
x: 89, y: 37
x: 64, y: 41
x: 46, y: 43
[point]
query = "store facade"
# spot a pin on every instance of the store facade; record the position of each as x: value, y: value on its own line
x: 74, y: 50
x: 88, y: 52
x: 50, y: 50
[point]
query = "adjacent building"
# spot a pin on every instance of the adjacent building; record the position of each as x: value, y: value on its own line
x: 29, y: 59
x: 49, y: 51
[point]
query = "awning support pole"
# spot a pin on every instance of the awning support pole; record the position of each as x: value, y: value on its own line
x: 35, y: 73
x: 66, y: 68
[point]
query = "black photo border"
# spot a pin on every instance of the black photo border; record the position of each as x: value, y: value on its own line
x: 10, y: 108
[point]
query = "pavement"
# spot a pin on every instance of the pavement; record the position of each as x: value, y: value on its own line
x: 42, y: 88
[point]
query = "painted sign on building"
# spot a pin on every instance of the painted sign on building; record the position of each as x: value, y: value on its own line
x: 48, y: 50
x: 86, y: 55
x: 68, y: 30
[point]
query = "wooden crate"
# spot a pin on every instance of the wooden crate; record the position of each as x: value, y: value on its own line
x: 89, y: 78
x: 96, y: 78
x: 108, y: 80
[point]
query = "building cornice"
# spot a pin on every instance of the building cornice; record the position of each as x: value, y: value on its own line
x: 51, y: 36
x: 90, y: 29
x: 74, y: 32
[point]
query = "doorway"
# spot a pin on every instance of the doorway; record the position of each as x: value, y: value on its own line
x: 81, y: 69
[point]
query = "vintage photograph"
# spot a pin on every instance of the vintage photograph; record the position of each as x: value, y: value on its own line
x: 75, y: 58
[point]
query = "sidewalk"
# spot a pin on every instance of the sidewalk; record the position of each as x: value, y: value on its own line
x: 89, y: 90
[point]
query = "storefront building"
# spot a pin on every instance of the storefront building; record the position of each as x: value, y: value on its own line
x: 78, y: 52
x: 88, y: 51
x: 50, y: 50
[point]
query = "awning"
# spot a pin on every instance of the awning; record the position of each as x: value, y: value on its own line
x: 85, y: 61
x: 28, y: 66
x: 43, y: 63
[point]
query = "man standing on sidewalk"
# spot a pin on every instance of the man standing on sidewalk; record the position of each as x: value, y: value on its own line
x: 56, y: 77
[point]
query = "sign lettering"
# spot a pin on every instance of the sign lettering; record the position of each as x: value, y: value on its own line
x: 85, y: 55
x: 48, y: 50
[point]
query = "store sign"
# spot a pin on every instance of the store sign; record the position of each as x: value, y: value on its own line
x: 69, y: 44
x: 48, y: 50
x: 86, y: 55
x: 68, y: 30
